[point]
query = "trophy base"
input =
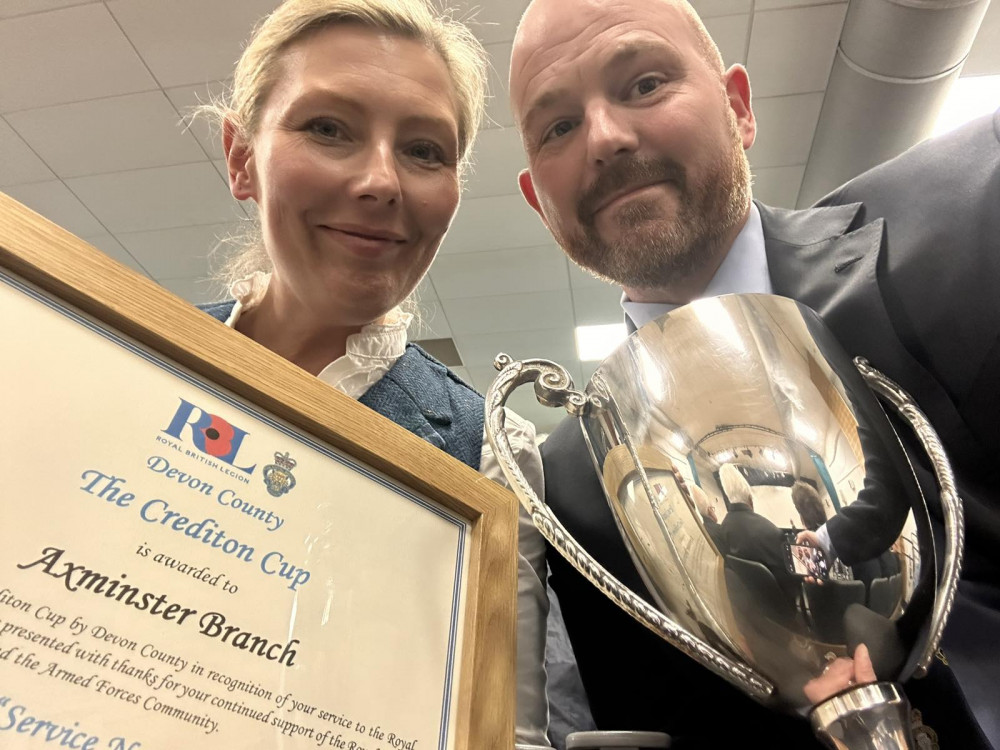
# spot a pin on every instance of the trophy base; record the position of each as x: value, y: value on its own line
x: 867, y: 717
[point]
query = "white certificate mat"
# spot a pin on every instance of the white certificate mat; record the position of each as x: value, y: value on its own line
x: 180, y: 570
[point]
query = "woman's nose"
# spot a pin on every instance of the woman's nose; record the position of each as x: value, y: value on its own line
x: 379, y: 180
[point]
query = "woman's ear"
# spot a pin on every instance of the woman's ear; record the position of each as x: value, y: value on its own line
x: 239, y: 162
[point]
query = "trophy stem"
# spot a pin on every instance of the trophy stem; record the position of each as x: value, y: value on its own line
x: 868, y: 717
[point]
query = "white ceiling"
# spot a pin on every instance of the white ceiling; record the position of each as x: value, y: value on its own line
x: 92, y: 93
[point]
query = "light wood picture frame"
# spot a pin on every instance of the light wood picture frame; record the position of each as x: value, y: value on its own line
x: 66, y: 269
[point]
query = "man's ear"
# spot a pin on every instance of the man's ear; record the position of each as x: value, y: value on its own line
x: 737, y: 83
x: 238, y: 162
x: 528, y: 191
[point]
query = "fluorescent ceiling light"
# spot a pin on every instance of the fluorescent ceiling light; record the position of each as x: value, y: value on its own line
x: 594, y: 343
x: 970, y: 98
x: 804, y: 430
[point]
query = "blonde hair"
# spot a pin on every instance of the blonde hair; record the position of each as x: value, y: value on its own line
x: 259, y: 68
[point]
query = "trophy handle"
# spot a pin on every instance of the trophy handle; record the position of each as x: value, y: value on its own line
x: 951, y: 503
x: 554, y: 387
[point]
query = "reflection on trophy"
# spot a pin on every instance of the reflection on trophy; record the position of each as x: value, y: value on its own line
x: 767, y: 503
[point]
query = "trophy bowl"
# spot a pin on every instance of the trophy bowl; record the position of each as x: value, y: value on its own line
x: 768, y: 504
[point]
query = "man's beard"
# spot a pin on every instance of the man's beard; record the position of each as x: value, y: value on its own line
x: 653, y: 250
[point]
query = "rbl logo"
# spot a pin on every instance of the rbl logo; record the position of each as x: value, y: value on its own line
x: 210, y: 433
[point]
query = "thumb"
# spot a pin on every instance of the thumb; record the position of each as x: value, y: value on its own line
x: 864, y: 672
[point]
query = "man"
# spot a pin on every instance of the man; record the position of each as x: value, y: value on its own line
x: 749, y: 535
x: 635, y: 136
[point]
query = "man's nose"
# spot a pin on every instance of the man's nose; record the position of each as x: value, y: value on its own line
x: 609, y: 135
x: 379, y: 178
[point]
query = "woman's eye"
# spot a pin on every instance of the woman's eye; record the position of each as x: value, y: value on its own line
x: 324, y: 128
x: 427, y: 152
x: 646, y: 85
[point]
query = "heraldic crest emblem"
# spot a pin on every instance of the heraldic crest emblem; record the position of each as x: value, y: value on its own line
x: 278, y: 476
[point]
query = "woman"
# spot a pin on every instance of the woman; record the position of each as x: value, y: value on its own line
x: 349, y: 125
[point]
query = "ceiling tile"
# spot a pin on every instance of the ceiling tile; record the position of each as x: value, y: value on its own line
x: 598, y: 305
x: 499, y: 157
x: 495, y: 223
x: 510, y: 312
x: 18, y: 163
x: 730, y: 34
x: 176, y: 253
x: 480, y: 350
x: 774, y: 4
x: 587, y: 370
x: 785, y: 129
x: 11, y: 8
x: 580, y: 279
x: 984, y: 58
x: 491, y: 21
x: 67, y: 55
x: 160, y: 198
x: 55, y: 202
x: 778, y: 186
x: 521, y: 270
x: 189, y: 41
x: 425, y: 290
x: 186, y: 98
x: 498, y: 112
x: 134, y: 131
x: 430, y: 322
x: 708, y: 8
x: 108, y: 245
x: 792, y: 51
x: 463, y: 374
x: 196, y: 291
x: 223, y: 169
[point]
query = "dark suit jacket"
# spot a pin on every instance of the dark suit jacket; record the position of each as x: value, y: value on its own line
x: 908, y: 278
x: 751, y: 536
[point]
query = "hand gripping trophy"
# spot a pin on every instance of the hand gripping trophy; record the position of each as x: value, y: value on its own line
x: 766, y: 500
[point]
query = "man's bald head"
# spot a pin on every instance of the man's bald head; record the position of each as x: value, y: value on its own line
x: 534, y: 31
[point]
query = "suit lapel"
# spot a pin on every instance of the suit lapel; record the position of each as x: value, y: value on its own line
x: 816, y: 257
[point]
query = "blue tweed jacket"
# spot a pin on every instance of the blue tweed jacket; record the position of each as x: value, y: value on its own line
x: 422, y: 395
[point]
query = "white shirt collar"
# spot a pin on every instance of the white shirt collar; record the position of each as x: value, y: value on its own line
x: 370, y: 353
x: 743, y: 271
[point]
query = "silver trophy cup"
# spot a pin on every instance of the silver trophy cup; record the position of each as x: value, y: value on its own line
x: 768, y: 504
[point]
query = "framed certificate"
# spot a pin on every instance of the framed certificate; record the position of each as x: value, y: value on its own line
x: 203, y: 546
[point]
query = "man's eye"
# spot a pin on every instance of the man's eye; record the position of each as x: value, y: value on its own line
x: 558, y: 130
x: 324, y: 128
x: 646, y: 85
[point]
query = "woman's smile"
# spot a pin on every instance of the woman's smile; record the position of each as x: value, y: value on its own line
x: 364, y: 240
